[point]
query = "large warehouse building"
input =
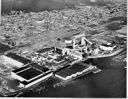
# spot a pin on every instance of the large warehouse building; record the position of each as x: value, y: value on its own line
x: 15, y: 60
x: 31, y: 74
x: 4, y: 48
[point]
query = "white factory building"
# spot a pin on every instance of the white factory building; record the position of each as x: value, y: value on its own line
x: 74, y: 45
x: 31, y: 74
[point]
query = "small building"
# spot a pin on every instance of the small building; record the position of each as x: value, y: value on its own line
x: 31, y: 74
x: 15, y: 60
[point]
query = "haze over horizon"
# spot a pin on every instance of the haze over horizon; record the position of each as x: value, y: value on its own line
x: 38, y: 5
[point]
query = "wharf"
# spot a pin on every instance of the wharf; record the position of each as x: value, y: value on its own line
x: 65, y: 82
x: 74, y: 71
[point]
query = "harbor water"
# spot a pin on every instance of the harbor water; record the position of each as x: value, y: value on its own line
x: 110, y: 82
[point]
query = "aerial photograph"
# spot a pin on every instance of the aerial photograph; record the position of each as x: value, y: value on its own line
x: 63, y: 48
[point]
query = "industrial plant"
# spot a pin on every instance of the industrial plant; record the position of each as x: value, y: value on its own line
x: 77, y: 50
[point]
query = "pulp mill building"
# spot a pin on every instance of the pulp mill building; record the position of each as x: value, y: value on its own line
x: 15, y: 60
x: 31, y: 74
x: 26, y: 72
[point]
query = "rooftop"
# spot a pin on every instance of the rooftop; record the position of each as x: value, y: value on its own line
x: 20, y: 69
x: 18, y: 58
x: 45, y: 50
x: 42, y: 68
x: 4, y: 48
x: 71, y: 70
x: 60, y: 58
x: 27, y: 82
x: 29, y: 73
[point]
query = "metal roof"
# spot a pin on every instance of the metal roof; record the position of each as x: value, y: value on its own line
x: 29, y: 73
x: 20, y: 69
x: 45, y: 50
x: 41, y: 68
x: 4, y: 48
x: 71, y: 70
x: 18, y: 58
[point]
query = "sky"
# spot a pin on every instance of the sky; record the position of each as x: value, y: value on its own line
x: 37, y: 5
